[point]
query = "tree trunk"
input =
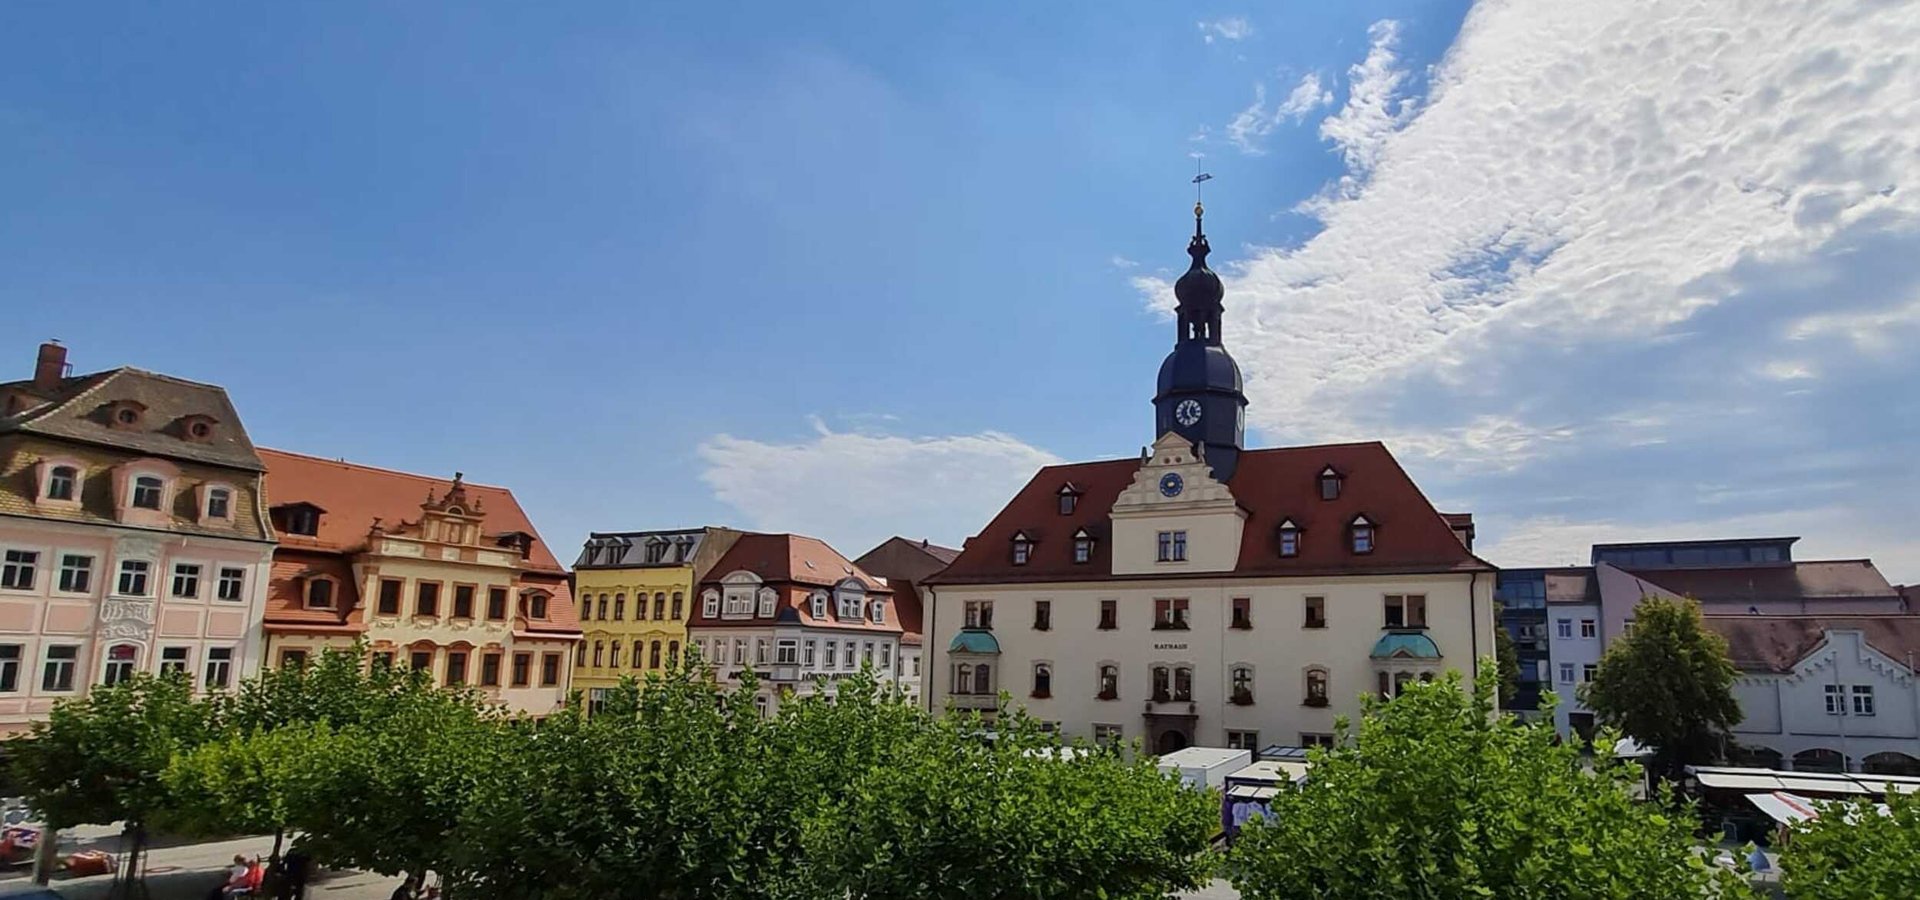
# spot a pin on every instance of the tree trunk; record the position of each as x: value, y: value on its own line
x: 278, y: 834
x: 46, y: 857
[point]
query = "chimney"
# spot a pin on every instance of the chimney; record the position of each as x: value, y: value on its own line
x: 50, y: 368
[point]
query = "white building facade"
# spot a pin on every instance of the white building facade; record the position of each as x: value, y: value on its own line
x: 1826, y: 694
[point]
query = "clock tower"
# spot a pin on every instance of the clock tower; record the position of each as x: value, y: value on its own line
x: 1200, y: 395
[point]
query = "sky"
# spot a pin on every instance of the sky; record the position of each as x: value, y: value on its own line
x: 1594, y: 272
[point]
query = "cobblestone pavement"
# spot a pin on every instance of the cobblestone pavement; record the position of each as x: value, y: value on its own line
x: 189, y: 871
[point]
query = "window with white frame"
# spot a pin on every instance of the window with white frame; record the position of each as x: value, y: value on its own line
x: 219, y: 668
x: 812, y: 657
x: 219, y: 503
x: 1108, y: 735
x: 76, y: 573
x: 739, y: 651
x: 833, y: 655
x: 1836, y: 699
x: 1361, y: 532
x: 1563, y: 628
x: 1589, y: 628
x: 173, y: 659
x: 818, y: 602
x: 850, y: 603
x: 233, y: 583
x: 879, y: 611
x: 866, y: 653
x: 133, y: 577
x: 10, y: 655
x: 17, y: 572
x: 1587, y: 673
x: 122, y: 659
x: 186, y: 581
x: 886, y: 657
x: 147, y: 491
x: 1172, y: 546
x: 710, y: 604
x: 739, y: 602
x: 1082, y: 546
x: 56, y: 674
x: 1863, y: 699
x: 978, y: 614
x: 61, y: 481
x: 1243, y: 740
x: 768, y: 597
x: 847, y: 660
x: 759, y: 651
x: 1566, y: 673
x: 787, y: 653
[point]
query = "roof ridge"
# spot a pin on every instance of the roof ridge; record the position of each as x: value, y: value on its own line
x: 381, y: 469
x: 51, y: 406
x: 173, y: 378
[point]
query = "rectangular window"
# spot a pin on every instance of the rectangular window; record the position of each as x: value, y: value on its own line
x: 1043, y: 615
x: 293, y: 659
x: 496, y: 603
x: 232, y: 585
x: 1626, y: 628
x: 1289, y: 542
x: 217, y: 502
x: 490, y: 670
x: 979, y: 614
x: 186, y: 580
x: 1836, y: 699
x: 739, y: 651
x: 847, y: 660
x: 456, y: 667
x: 1170, y: 615
x: 1589, y: 628
x: 426, y: 600
x: 173, y: 659
x: 1566, y: 673
x: 886, y: 657
x: 133, y: 577
x: 1082, y: 549
x: 759, y: 651
x: 787, y: 653
x: 390, y: 589
x: 813, y: 654
x: 522, y: 669
x: 1243, y: 740
x: 17, y: 573
x: 1310, y: 739
x: 1316, y: 613
x: 1109, y: 615
x: 10, y: 668
x: 1243, y: 612
x: 463, y: 601
x: 1863, y: 699
x: 421, y: 659
x: 146, y: 493
x: 1587, y: 672
x: 833, y: 654
x: 1563, y: 628
x: 1396, y: 611
x: 1022, y: 551
x: 1416, y: 610
x: 219, y: 668
x: 383, y: 661
x: 76, y: 573
x: 1108, y: 735
x: 1173, y: 546
x: 57, y: 675
x: 549, y: 669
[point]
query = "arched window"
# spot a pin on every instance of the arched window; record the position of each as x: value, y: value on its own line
x: 619, y: 607
x: 710, y: 604
x: 121, y: 659
x: 819, y: 603
x: 146, y: 492
x: 660, y: 605
x: 1182, y: 683
x: 1400, y: 682
x: 537, y: 606
x: 1316, y: 687
x: 1240, y: 685
x: 613, y: 655
x: 1109, y: 681
x: 599, y: 653
x: 983, y: 679
x: 678, y: 598
x: 1042, y: 680
x: 320, y: 593
x: 963, y: 679
x: 673, y: 654
x: 580, y: 654
x: 1162, y: 684
x: 653, y: 656
x: 60, y: 482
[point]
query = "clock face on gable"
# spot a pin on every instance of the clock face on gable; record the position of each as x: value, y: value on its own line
x: 1171, y: 484
x: 1188, y: 412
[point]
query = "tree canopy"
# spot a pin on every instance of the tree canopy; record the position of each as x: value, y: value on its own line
x: 1668, y: 684
x: 1852, y: 851
x: 1437, y: 796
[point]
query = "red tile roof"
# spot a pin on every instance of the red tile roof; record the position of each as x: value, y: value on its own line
x: 794, y: 565
x: 1779, y: 643
x: 1810, y: 580
x: 354, y: 495
x: 286, y: 608
x: 1270, y: 485
x: 905, y: 563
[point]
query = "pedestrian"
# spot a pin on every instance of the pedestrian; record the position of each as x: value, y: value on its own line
x: 293, y: 874
x: 408, y: 889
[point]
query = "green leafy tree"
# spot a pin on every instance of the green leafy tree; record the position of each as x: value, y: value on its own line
x: 1668, y: 685
x: 1851, y: 851
x: 101, y: 758
x: 1507, y: 658
x: 1437, y: 797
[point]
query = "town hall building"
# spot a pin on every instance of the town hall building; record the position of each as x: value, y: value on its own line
x: 1205, y: 593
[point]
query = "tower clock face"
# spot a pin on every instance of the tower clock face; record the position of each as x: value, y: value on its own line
x: 1171, y: 485
x: 1188, y: 412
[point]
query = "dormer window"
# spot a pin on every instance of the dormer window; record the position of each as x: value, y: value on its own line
x: 125, y: 414
x: 147, y: 491
x: 536, y: 606
x: 1330, y: 482
x: 302, y: 518
x: 879, y: 611
x: 197, y: 428
x: 1082, y: 546
x: 61, y: 481
x: 819, y: 606
x: 1069, y: 499
x: 1362, y: 533
x: 767, y: 599
x: 1022, y: 549
x: 219, y: 503
x: 320, y: 593
x: 1289, y: 538
x: 656, y: 550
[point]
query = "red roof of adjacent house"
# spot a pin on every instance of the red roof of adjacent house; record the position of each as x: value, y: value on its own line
x: 286, y: 609
x: 1270, y: 485
x: 1779, y: 643
x: 1809, y: 580
x: 794, y: 565
x: 904, y: 563
x: 352, y: 496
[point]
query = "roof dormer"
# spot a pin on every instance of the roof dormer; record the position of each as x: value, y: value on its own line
x: 1069, y: 497
x: 125, y: 415
x: 1022, y: 548
x: 195, y: 427
x: 1286, y: 538
x: 1361, y: 535
x: 1331, y: 483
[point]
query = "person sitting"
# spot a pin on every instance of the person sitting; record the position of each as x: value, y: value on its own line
x: 408, y: 889
x: 235, y: 884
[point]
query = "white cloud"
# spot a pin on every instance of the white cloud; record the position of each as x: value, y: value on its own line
x: 1121, y: 262
x: 1252, y: 125
x: 1375, y: 108
x: 1831, y: 532
x: 1231, y: 28
x: 856, y: 489
x: 1305, y: 97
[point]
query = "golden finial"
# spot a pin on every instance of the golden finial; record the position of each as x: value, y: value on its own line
x: 1198, y: 210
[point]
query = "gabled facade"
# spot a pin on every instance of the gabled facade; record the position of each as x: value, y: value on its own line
x: 797, y: 613
x: 1826, y: 693
x: 1204, y: 593
x: 458, y: 583
x: 905, y: 565
x: 635, y: 591
x: 132, y: 537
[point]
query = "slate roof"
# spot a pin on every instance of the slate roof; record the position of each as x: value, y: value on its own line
x: 1271, y: 485
x: 905, y: 563
x: 1778, y: 643
x: 683, y: 544
x: 77, y: 411
x: 794, y: 565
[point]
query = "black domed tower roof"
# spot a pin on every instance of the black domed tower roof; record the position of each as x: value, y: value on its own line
x: 1200, y: 392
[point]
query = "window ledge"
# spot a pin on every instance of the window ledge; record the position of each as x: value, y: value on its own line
x: 1178, y: 626
x: 1107, y: 695
x: 1242, y: 626
x: 1041, y: 695
x: 1317, y: 702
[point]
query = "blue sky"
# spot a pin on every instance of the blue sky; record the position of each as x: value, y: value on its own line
x: 857, y: 269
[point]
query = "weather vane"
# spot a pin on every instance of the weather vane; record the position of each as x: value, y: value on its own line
x: 1199, y: 178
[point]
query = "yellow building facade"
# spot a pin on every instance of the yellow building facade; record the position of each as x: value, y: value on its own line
x: 635, y: 592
